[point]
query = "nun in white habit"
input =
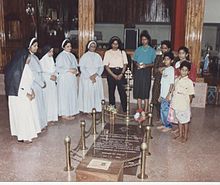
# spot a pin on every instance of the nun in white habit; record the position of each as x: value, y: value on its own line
x: 90, y: 84
x: 66, y: 66
x: 50, y: 91
x: 38, y: 83
x: 23, y: 113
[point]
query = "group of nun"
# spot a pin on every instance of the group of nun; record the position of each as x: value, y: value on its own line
x: 41, y: 90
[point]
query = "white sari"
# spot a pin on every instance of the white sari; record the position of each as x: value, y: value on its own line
x: 90, y: 94
x: 50, y: 91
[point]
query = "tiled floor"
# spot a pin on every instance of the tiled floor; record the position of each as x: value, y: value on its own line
x: 44, y: 159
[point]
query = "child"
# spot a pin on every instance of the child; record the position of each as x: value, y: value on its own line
x: 165, y: 47
x: 167, y: 82
x: 182, y: 97
x: 183, y: 54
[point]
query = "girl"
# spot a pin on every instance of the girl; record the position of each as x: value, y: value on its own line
x: 66, y: 66
x: 91, y: 68
x: 115, y: 61
x: 144, y: 57
x: 183, y: 54
x: 50, y: 91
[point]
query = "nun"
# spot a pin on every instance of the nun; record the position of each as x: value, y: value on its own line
x: 50, y: 91
x: 90, y: 84
x: 66, y: 66
x: 23, y: 113
x: 38, y: 83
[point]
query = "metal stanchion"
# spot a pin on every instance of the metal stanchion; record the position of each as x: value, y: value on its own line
x: 147, y: 139
x: 67, y: 142
x: 150, y: 119
x: 94, y: 121
x: 83, y: 138
x: 103, y: 114
x: 142, y: 174
x: 151, y: 107
x: 128, y: 76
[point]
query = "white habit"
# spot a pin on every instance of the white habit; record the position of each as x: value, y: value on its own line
x: 50, y: 91
x: 23, y: 114
x: 90, y: 94
x: 38, y: 85
x: 66, y: 84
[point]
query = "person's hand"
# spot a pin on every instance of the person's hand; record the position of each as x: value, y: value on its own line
x: 93, y: 77
x: 161, y: 69
x: 53, y: 77
x: 140, y: 66
x: 115, y: 77
x: 73, y: 71
x: 159, y: 99
x: 94, y: 81
x: 168, y: 97
x: 29, y: 96
x: 119, y: 77
x: 32, y: 94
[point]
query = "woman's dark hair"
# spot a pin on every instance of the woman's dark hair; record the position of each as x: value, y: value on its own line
x: 66, y: 42
x: 28, y: 40
x: 185, y: 63
x: 113, y: 39
x: 87, y: 49
x: 184, y: 48
x: 169, y: 54
x: 167, y: 43
x: 145, y: 33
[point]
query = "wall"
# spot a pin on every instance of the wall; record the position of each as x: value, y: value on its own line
x: 212, y: 13
x: 159, y: 32
x: 209, y: 36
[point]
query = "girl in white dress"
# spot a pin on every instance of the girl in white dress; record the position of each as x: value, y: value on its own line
x: 90, y: 84
x: 50, y: 91
x: 66, y: 66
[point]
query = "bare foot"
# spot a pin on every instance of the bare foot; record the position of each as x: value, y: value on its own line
x: 177, y: 137
x: 68, y: 117
x: 184, y: 140
x: 72, y: 117
x: 28, y: 141
x: 175, y: 131
x: 51, y: 123
x: 64, y: 117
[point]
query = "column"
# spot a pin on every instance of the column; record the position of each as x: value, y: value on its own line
x: 86, y: 23
x: 178, y: 23
x: 193, y: 32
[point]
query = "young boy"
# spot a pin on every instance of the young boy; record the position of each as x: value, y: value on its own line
x: 181, y: 100
x: 167, y: 82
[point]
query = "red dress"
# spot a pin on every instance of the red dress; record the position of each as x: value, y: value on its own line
x: 192, y: 73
